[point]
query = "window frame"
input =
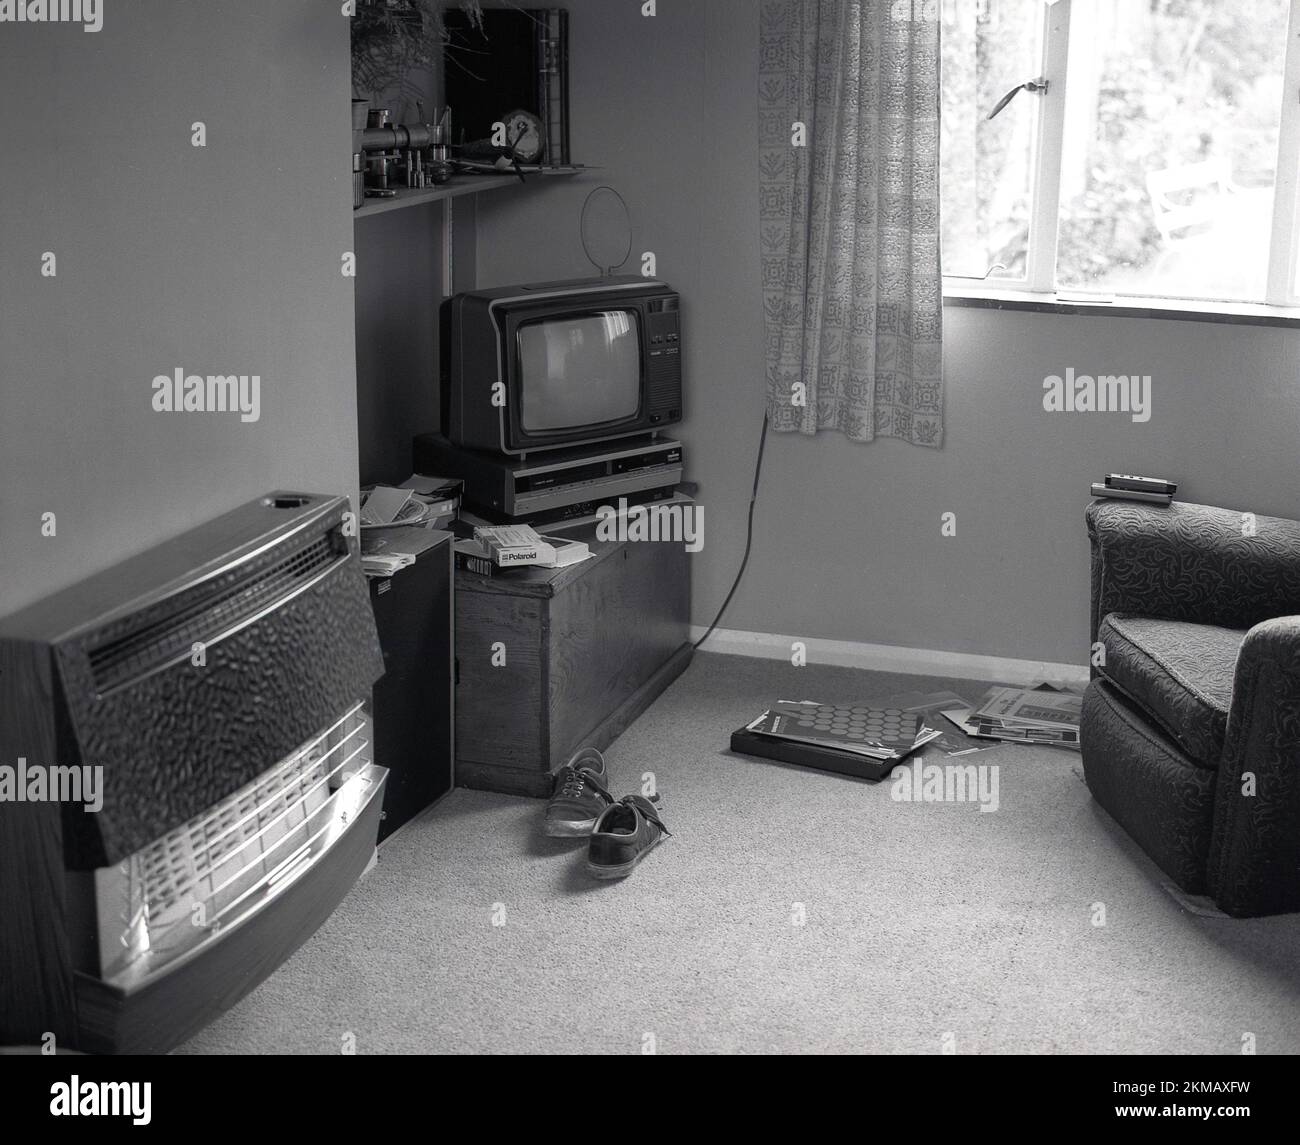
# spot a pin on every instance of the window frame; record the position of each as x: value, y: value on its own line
x: 1037, y: 288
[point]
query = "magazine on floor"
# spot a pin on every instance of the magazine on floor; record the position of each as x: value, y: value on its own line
x: 953, y: 739
x: 1030, y: 707
x: 1043, y: 715
x: 878, y: 733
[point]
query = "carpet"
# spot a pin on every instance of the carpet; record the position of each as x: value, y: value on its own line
x: 791, y: 911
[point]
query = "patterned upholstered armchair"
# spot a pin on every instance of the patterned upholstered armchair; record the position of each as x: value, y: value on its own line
x: 1191, y: 726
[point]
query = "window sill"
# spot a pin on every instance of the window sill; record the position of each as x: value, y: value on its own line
x: 1179, y: 310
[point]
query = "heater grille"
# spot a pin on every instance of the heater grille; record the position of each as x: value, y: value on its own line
x: 169, y: 897
x: 154, y: 640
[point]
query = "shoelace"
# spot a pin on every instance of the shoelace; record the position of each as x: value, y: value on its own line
x: 576, y: 778
x: 631, y: 801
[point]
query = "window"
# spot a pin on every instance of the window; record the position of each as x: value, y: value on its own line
x: 1144, y: 148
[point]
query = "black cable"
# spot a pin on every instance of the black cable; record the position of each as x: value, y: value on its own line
x: 749, y: 536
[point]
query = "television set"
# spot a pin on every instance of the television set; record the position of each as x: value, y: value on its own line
x: 558, y: 364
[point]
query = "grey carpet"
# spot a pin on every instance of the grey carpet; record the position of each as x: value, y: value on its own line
x: 923, y: 921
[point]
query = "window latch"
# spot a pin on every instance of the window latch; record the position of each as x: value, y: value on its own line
x: 980, y: 277
x: 1038, y: 86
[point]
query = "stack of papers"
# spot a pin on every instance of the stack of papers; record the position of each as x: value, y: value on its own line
x: 384, y: 505
x: 385, y: 551
x: 1024, y: 715
x: 426, y: 502
x: 384, y: 564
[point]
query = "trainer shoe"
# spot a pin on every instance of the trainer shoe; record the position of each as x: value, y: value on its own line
x: 579, y: 795
x: 625, y: 834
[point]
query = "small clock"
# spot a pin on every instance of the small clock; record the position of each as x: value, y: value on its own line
x: 525, y: 134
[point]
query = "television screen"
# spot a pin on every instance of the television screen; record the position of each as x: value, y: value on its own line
x: 583, y: 370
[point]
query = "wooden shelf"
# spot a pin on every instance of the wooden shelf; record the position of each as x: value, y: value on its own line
x: 458, y: 185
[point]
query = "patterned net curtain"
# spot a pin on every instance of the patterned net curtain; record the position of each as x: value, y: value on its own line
x: 852, y: 287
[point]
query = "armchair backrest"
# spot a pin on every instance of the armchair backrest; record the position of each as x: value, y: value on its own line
x: 1192, y: 562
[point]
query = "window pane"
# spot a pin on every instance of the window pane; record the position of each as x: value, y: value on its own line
x: 989, y: 46
x: 1170, y: 147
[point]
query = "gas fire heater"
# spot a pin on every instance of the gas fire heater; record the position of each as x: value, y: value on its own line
x: 219, y: 682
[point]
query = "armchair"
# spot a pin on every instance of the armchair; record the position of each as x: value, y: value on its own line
x: 1190, y: 732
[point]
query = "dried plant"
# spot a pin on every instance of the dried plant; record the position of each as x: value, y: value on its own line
x: 392, y: 39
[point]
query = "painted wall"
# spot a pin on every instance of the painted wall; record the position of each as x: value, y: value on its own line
x: 399, y: 289
x: 848, y: 542
x: 216, y: 260
x: 400, y: 261
x: 637, y: 91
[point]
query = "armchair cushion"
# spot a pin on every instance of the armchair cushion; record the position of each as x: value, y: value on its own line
x: 1191, y: 562
x: 1179, y: 673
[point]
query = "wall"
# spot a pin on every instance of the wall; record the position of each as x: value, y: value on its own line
x: 636, y: 95
x: 848, y: 542
x: 399, y: 289
x: 400, y: 263
x: 222, y: 259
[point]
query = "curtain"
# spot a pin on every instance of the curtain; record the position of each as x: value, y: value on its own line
x: 849, y: 220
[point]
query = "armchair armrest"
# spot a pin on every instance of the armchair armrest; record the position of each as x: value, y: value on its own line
x: 1254, y: 861
x: 1191, y: 562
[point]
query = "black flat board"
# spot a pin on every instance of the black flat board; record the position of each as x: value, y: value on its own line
x: 746, y: 742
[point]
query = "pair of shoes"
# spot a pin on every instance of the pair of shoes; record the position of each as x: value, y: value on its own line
x: 620, y: 833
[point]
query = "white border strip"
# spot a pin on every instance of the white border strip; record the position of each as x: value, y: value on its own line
x: 1045, y: 196
x: 891, y: 658
x: 1281, y: 284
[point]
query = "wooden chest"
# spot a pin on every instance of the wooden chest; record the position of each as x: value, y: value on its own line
x: 550, y: 660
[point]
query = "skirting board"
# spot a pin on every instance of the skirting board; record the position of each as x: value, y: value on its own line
x: 892, y: 658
